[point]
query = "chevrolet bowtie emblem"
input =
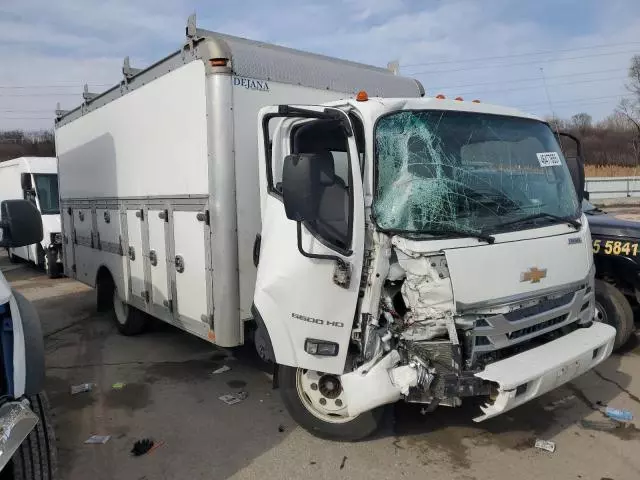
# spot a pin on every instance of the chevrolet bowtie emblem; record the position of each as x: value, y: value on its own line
x: 534, y: 275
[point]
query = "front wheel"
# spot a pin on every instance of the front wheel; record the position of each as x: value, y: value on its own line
x: 613, y: 308
x: 36, y: 458
x: 316, y: 401
x: 51, y: 266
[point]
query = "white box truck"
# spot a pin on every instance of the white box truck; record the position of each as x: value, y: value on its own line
x: 378, y: 246
x: 36, y: 179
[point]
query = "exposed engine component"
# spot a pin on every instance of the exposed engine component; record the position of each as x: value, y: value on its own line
x: 428, y: 295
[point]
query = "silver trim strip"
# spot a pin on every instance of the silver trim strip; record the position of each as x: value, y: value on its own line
x: 462, y: 308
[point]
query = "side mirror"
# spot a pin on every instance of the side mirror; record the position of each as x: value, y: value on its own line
x: 25, y: 182
x: 576, y: 168
x: 20, y: 224
x: 585, y: 195
x: 301, y: 181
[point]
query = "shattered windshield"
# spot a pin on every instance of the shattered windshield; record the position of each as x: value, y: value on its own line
x: 444, y: 171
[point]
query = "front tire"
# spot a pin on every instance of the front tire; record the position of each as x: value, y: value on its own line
x: 613, y: 308
x: 317, y: 403
x: 36, y: 458
x: 51, y: 266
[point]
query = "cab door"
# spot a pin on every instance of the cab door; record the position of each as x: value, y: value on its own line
x: 309, y: 271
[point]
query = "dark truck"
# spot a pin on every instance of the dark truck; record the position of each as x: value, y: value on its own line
x: 616, y: 252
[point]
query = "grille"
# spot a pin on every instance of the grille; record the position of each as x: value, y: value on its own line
x: 536, y: 328
x: 539, y: 308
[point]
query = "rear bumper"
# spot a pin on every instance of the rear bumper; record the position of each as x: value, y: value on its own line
x: 532, y: 373
x: 16, y: 422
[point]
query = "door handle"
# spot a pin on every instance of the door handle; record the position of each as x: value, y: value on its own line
x: 179, y: 262
x: 153, y: 258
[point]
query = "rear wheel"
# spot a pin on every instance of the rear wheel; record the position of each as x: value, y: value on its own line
x: 317, y: 402
x: 129, y: 320
x: 36, y: 458
x: 613, y: 308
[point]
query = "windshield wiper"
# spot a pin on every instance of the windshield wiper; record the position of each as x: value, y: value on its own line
x: 574, y: 223
x: 458, y: 233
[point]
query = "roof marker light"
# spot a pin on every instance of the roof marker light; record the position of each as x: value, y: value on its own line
x: 362, y: 96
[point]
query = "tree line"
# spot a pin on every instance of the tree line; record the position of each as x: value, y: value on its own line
x: 18, y: 143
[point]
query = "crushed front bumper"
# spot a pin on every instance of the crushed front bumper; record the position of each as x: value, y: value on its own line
x: 16, y: 422
x: 532, y: 373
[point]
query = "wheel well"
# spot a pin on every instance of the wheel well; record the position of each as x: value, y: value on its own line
x: 104, y: 288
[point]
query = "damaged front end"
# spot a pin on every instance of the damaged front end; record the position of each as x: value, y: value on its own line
x: 508, y: 353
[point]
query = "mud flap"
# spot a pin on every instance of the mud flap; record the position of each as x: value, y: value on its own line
x: 530, y: 374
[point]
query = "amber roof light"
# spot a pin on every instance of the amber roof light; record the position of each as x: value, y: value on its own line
x: 362, y: 96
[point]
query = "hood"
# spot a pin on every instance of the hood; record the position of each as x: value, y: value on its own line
x: 607, y: 224
x: 507, y: 271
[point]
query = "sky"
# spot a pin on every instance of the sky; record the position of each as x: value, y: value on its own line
x: 499, y: 51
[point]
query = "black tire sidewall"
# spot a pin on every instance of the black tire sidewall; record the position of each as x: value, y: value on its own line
x: 357, y: 429
x: 617, y: 310
x: 37, y: 458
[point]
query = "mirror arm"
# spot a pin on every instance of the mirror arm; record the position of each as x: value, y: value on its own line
x: 312, y: 255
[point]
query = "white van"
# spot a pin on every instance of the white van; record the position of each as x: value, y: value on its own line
x: 36, y: 179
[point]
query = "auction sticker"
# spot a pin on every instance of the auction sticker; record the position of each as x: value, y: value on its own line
x: 548, y: 159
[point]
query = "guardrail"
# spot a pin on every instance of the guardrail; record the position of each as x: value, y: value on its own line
x: 612, y: 187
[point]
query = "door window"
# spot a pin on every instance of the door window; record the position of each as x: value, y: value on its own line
x: 327, y: 139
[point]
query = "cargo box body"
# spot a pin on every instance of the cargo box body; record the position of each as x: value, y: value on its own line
x: 159, y: 176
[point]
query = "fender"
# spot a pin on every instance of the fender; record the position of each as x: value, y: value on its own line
x: 28, y: 348
x: 261, y: 338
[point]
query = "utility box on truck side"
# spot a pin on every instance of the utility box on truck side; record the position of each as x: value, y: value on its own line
x: 159, y: 176
x: 36, y: 179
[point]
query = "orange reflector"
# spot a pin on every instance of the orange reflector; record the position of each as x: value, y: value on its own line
x: 459, y: 99
x: 440, y: 96
x: 362, y: 96
x: 475, y: 101
x: 218, y: 62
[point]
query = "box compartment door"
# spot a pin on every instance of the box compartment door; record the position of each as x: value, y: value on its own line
x: 109, y: 235
x: 190, y: 265
x: 135, y: 252
x: 157, y: 222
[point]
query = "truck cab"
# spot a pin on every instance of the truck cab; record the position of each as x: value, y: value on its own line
x: 36, y: 179
x: 419, y: 249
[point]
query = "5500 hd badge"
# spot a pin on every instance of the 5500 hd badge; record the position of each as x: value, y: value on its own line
x: 317, y: 321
